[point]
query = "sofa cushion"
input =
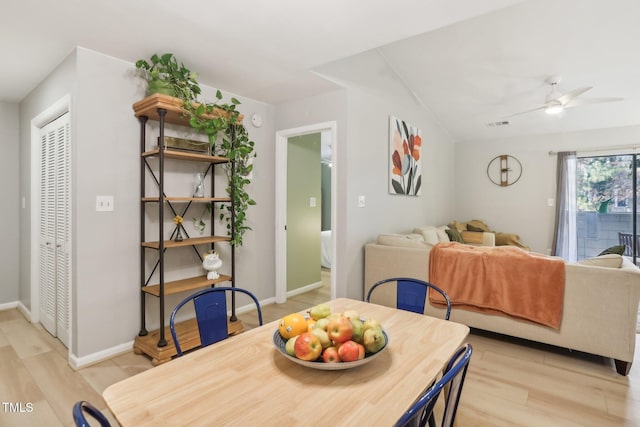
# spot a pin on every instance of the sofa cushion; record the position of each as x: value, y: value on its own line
x: 404, y: 240
x: 618, y: 249
x: 477, y: 225
x: 472, y: 237
x: 608, y: 260
x: 428, y: 234
x: 454, y: 235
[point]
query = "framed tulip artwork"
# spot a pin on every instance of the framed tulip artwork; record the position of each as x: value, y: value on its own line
x: 405, y: 167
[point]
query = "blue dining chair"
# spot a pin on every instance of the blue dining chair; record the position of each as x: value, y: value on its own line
x: 211, y: 314
x: 82, y: 407
x: 453, y: 377
x: 411, y: 294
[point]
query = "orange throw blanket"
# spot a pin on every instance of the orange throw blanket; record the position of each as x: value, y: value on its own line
x: 501, y: 280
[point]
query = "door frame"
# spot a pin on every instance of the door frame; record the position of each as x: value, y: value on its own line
x: 282, y: 137
x: 58, y: 108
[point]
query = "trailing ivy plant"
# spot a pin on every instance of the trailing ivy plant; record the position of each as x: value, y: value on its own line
x: 226, y: 134
x: 228, y: 138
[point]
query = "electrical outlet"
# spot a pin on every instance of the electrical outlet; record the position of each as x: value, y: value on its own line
x: 104, y: 203
x: 361, y: 202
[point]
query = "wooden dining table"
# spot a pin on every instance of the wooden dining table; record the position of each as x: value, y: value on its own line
x: 245, y: 380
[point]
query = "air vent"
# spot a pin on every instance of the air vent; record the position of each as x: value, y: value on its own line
x: 498, y: 124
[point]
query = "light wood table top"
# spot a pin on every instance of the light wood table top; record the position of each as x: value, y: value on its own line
x: 244, y: 380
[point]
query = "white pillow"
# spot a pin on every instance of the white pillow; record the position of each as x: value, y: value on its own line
x: 443, y: 237
x: 429, y: 234
x: 609, y: 261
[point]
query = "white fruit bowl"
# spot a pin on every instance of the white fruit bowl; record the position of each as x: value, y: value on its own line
x: 280, y: 343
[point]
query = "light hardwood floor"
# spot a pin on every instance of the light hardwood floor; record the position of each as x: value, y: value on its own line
x: 510, y: 382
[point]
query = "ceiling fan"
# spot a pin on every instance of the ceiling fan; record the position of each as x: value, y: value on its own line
x: 555, y: 102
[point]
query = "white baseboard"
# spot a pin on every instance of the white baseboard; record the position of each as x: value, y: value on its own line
x: 20, y: 306
x: 25, y: 311
x: 304, y: 289
x: 99, y: 356
x: 8, y: 305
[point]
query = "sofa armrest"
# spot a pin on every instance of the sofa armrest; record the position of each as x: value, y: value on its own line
x: 382, y: 262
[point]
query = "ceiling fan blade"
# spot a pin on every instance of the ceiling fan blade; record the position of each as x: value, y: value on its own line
x: 525, y: 112
x: 567, y: 97
x: 587, y: 101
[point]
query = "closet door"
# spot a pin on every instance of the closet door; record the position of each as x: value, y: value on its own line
x: 55, y: 228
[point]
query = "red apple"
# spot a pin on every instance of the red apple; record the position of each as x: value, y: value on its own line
x: 349, y: 351
x: 340, y: 329
x: 307, y: 346
x: 330, y: 355
x: 361, y: 351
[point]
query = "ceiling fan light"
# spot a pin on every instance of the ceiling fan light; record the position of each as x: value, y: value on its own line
x: 554, y: 109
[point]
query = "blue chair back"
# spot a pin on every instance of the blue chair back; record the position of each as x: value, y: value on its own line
x: 412, y: 294
x: 454, y: 375
x: 82, y: 407
x: 211, y: 314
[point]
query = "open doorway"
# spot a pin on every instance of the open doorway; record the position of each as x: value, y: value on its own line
x: 314, y: 143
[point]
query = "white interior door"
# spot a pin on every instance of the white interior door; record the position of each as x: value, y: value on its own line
x: 55, y: 227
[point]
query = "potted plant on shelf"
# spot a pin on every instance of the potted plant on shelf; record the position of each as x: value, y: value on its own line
x: 166, y: 76
x: 226, y: 134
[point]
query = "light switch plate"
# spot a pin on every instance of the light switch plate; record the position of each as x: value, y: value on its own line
x: 104, y: 203
x: 361, y: 202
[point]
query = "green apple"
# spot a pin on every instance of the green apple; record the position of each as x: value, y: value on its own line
x: 323, y: 336
x: 320, y: 311
x: 358, y: 329
x: 322, y: 323
x: 290, y: 345
x: 351, y: 314
x: 372, y: 324
x: 374, y: 340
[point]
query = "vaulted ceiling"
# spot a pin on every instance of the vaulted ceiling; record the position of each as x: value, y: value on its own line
x: 470, y: 62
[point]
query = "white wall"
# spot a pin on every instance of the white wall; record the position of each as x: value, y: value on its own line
x: 105, y: 138
x: 522, y: 208
x: 372, y: 94
x: 10, y: 206
x: 61, y: 82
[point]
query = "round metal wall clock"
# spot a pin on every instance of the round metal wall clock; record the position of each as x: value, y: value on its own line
x: 504, y: 170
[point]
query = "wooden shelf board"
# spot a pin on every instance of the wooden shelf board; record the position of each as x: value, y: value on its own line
x: 182, y: 285
x: 187, y: 242
x: 175, y: 113
x: 186, y: 155
x: 188, y: 199
x: 187, y: 332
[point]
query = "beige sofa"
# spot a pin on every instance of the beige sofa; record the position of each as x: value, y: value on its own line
x: 600, y: 306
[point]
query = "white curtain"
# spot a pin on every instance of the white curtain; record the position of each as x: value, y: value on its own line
x: 565, y: 236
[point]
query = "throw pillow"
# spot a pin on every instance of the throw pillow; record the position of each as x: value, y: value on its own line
x: 430, y: 234
x: 618, y: 250
x: 454, y: 235
x: 477, y: 223
x: 609, y: 260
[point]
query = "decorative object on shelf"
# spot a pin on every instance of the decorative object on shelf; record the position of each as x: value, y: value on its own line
x: 212, y: 263
x: 405, y: 144
x: 504, y: 170
x: 177, y: 220
x: 198, y: 223
x: 198, y: 184
x: 186, y: 144
x: 227, y: 135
